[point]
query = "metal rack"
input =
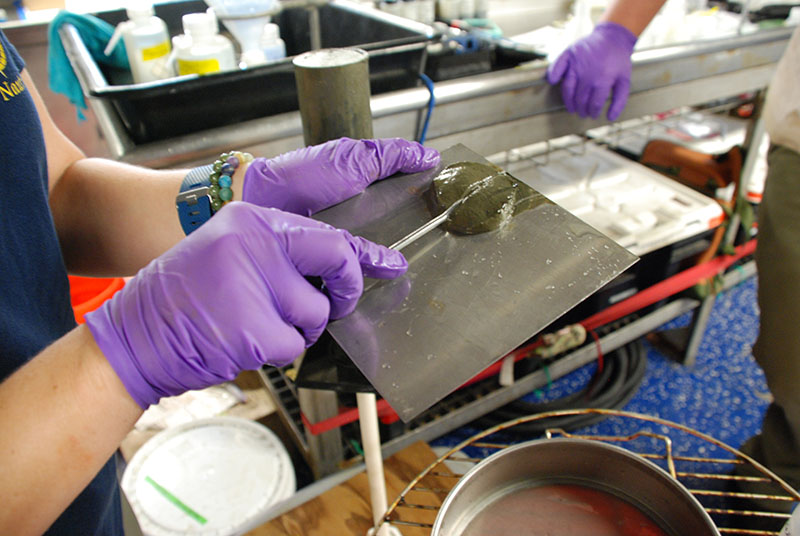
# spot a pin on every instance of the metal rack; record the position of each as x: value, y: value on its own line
x: 708, y: 468
x: 538, y: 153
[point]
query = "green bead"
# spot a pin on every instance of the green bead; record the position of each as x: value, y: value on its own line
x: 226, y: 194
x: 217, y: 165
x: 213, y: 191
x: 214, y: 179
x: 216, y: 204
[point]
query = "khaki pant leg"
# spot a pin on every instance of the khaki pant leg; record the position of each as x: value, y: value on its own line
x: 777, y: 348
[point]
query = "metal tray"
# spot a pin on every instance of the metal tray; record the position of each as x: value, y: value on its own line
x: 465, y: 301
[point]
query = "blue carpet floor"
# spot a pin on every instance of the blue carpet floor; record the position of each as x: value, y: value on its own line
x: 723, y: 395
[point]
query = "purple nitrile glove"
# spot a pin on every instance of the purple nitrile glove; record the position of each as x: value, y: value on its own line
x: 311, y: 179
x: 592, y: 68
x: 232, y: 296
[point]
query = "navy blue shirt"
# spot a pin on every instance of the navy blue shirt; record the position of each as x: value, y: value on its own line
x: 34, y: 303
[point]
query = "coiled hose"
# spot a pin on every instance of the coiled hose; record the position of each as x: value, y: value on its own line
x: 611, y: 388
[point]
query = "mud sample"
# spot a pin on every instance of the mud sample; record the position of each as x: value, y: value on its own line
x: 492, y: 197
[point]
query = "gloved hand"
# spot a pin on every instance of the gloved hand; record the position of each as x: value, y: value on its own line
x: 232, y: 296
x: 594, y: 67
x: 311, y: 179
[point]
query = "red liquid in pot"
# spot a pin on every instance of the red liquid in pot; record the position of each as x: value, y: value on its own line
x: 562, y: 510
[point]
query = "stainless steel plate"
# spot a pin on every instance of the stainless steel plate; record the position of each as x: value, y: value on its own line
x: 466, y: 300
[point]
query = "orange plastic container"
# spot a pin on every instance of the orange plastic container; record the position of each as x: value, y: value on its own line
x: 89, y: 293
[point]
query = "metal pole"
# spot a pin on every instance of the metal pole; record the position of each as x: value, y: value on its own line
x: 334, y: 94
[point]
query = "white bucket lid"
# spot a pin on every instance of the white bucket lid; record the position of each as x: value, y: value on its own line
x: 208, y: 477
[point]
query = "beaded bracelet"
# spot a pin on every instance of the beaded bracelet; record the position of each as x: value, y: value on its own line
x: 221, y: 177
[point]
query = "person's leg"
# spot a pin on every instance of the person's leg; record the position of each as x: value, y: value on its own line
x: 777, y: 349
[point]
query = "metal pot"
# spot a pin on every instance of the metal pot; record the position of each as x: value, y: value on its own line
x: 488, y: 489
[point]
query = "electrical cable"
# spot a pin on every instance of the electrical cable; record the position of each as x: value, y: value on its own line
x: 431, y: 103
x: 20, y: 9
x: 611, y: 388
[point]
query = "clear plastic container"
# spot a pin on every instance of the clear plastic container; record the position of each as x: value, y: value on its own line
x: 146, y: 42
x: 201, y: 49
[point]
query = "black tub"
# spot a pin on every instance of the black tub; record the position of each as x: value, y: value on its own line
x: 165, y: 109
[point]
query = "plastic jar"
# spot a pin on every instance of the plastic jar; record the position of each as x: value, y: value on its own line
x: 271, y: 43
x: 201, y: 49
x: 146, y: 42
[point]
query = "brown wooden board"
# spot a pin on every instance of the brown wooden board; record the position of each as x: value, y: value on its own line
x: 345, y: 509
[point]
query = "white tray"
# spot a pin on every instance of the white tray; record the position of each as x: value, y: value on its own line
x: 637, y: 207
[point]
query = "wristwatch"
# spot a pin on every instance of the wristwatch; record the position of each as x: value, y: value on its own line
x: 206, y: 189
x: 194, y: 200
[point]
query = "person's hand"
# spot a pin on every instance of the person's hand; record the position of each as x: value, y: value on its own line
x: 311, y: 179
x: 592, y: 68
x: 232, y: 296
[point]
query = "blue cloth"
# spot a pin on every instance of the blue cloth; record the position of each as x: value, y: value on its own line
x: 35, y: 307
x: 95, y: 34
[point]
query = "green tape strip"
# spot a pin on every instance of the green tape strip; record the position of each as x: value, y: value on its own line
x: 176, y: 501
x: 357, y: 447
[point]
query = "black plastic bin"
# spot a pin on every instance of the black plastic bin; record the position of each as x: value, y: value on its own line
x: 174, y: 107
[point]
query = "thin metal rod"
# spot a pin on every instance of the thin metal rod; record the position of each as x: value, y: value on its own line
x: 425, y: 229
x: 441, y: 218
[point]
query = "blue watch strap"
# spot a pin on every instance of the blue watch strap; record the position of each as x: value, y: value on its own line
x: 193, y: 201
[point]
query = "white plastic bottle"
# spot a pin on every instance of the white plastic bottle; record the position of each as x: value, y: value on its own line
x: 146, y: 42
x: 426, y: 11
x: 271, y: 43
x: 467, y: 9
x: 449, y: 9
x: 481, y: 9
x: 395, y: 7
x: 408, y: 9
x: 201, y: 49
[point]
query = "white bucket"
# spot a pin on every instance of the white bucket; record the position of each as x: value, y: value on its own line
x: 208, y: 477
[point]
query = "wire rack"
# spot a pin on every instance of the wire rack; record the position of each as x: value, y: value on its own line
x: 611, y: 136
x: 712, y: 471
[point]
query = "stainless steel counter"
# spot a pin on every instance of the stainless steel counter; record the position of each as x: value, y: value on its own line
x: 490, y: 112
